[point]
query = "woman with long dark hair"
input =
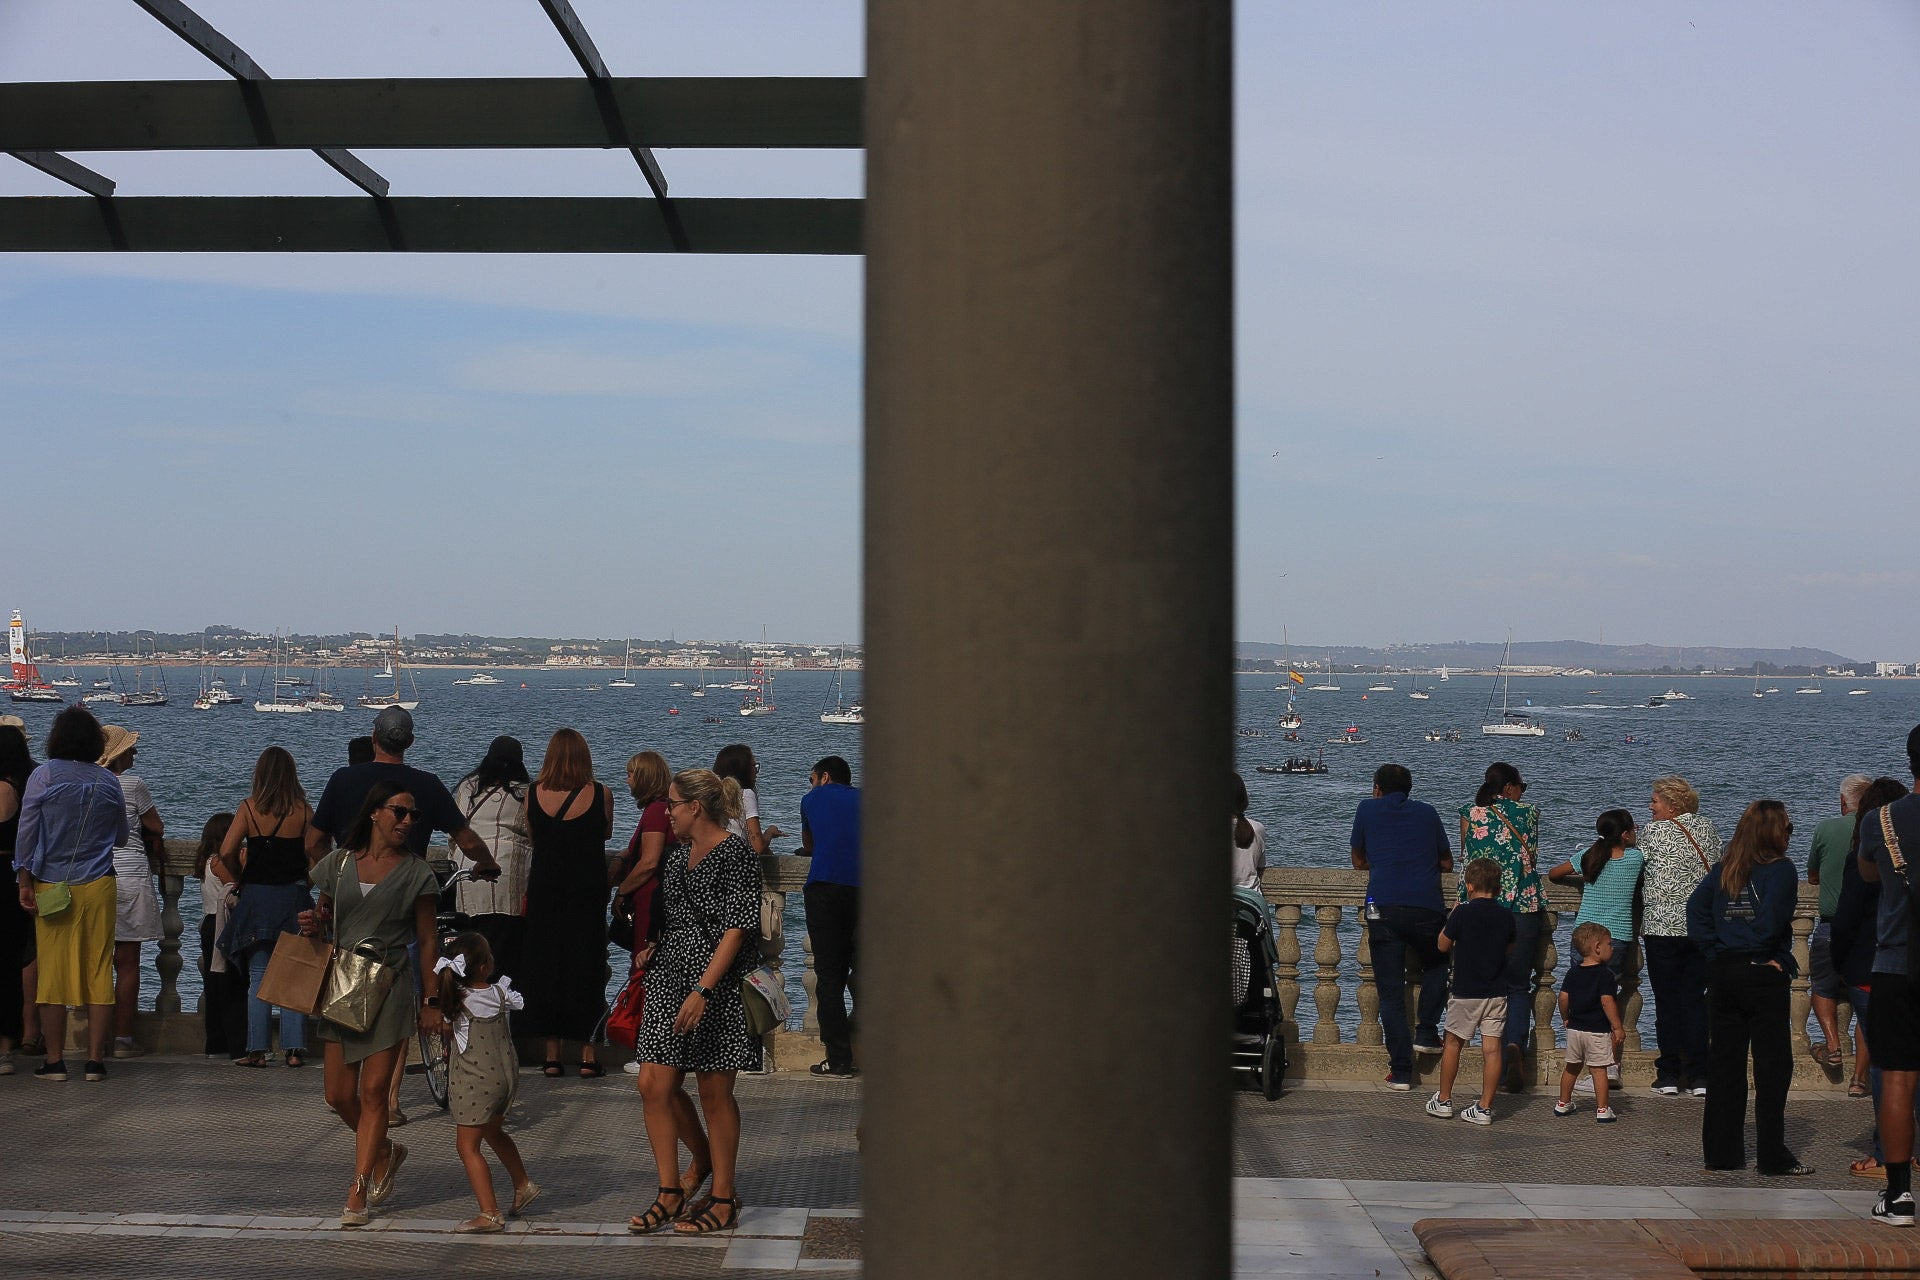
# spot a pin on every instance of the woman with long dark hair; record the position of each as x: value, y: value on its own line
x: 19, y: 1015
x: 1609, y: 877
x: 564, y: 971
x: 265, y: 854
x: 1855, y: 938
x: 1501, y: 826
x: 375, y: 894
x: 494, y: 798
x: 1249, y: 840
x: 1741, y: 918
x: 736, y: 762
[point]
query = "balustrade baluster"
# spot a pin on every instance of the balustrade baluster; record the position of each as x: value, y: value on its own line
x: 1326, y: 986
x: 1287, y: 972
x: 1545, y: 997
x: 168, y: 962
x: 810, y: 981
x: 1631, y: 997
x: 1366, y: 995
x: 1800, y: 989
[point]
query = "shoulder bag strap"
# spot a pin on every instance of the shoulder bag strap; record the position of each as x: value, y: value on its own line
x: 1893, y: 843
x: 1704, y: 864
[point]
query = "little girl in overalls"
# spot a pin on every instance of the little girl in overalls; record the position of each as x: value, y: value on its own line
x: 481, y: 1073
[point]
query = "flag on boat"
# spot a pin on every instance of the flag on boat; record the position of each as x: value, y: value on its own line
x: 1296, y: 677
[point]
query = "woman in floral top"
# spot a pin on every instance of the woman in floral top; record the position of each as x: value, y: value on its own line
x: 1500, y: 826
x: 1681, y: 847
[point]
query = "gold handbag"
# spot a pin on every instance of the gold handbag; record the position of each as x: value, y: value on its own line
x: 357, y: 986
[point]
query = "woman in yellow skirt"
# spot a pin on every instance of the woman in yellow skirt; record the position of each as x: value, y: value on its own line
x: 71, y: 816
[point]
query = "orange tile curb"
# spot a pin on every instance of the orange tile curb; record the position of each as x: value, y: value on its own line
x: 1666, y: 1249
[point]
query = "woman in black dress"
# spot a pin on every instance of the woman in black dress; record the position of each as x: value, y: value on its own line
x: 563, y: 971
x: 694, y: 1018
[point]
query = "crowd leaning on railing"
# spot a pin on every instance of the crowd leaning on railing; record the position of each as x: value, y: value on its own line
x: 1714, y: 924
x: 331, y: 913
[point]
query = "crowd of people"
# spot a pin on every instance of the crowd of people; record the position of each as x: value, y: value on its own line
x: 81, y: 836
x: 1713, y: 922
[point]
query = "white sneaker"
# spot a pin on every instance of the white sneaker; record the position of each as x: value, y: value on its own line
x: 1440, y: 1108
x: 6, y: 1065
x: 1563, y: 1108
x: 1698, y: 1091
x: 1604, y: 1116
x: 632, y: 1068
x: 1897, y: 1214
x: 1583, y: 1085
x: 1667, y: 1088
x: 1476, y: 1114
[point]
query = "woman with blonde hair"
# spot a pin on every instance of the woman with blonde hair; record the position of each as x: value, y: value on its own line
x: 136, y: 919
x: 265, y: 855
x: 1741, y: 918
x: 695, y: 1018
x: 564, y: 970
x: 1679, y: 847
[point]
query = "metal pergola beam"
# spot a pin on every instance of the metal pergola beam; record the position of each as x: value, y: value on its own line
x: 214, y: 115
x: 231, y: 58
x: 55, y: 165
x: 423, y: 224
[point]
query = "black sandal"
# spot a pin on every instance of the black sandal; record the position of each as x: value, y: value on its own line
x: 591, y: 1071
x: 704, y: 1222
x: 657, y: 1214
x: 554, y: 1069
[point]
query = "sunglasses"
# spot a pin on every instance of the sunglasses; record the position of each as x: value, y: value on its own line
x: 401, y: 813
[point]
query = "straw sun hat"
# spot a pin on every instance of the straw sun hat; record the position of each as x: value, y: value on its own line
x: 119, y: 742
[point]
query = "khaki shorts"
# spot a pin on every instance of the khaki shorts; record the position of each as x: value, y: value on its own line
x: 1487, y: 1016
x: 1588, y: 1049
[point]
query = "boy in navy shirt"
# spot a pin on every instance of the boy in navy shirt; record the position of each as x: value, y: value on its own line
x: 1590, y: 1011
x: 1479, y: 935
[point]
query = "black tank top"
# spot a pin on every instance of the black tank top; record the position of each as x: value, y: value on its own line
x: 275, y: 859
x: 10, y: 829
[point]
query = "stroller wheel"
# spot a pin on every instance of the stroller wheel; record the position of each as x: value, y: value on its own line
x: 1273, y: 1065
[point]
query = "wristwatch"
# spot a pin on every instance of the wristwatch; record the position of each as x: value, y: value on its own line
x: 433, y: 1002
x: 706, y: 993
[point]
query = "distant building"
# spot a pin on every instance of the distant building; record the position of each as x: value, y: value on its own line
x: 1892, y: 668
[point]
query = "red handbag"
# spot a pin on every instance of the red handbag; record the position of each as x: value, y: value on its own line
x: 623, y: 1020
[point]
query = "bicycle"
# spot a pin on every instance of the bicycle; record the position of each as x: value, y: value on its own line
x: 434, y: 1061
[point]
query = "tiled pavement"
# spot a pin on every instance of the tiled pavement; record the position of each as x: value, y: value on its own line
x: 183, y: 1167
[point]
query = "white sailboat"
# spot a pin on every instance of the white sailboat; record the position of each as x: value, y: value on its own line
x: 626, y: 671
x: 699, y: 687
x: 1290, y: 718
x: 755, y: 703
x: 1756, y: 681
x: 1327, y: 685
x: 380, y: 702
x: 146, y: 692
x: 323, y: 698
x: 276, y: 703
x: 1421, y: 695
x: 842, y: 712
x: 1512, y: 724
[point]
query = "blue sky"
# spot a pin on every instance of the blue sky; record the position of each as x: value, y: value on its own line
x: 1590, y: 321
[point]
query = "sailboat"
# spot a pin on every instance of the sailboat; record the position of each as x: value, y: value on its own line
x: 842, y: 713
x: 26, y: 685
x: 1327, y: 685
x: 145, y: 694
x: 275, y: 704
x: 1756, y: 681
x: 755, y: 703
x: 71, y: 680
x: 323, y: 698
x: 699, y: 688
x: 1290, y: 718
x: 626, y: 671
x: 380, y: 702
x: 1421, y: 695
x: 1513, y: 724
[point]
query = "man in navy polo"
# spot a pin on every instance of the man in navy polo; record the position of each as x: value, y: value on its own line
x: 830, y: 835
x: 1402, y: 846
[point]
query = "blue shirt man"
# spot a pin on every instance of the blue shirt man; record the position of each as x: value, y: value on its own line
x: 830, y: 835
x: 1402, y: 846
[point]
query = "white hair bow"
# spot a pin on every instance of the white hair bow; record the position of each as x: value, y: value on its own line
x: 458, y: 964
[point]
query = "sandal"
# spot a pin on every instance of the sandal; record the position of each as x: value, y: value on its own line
x: 524, y: 1196
x: 591, y: 1071
x: 296, y: 1057
x: 1859, y: 1089
x: 1867, y: 1168
x: 554, y: 1069
x: 657, y: 1214
x: 251, y: 1060
x: 383, y: 1187
x: 1825, y: 1054
x: 481, y: 1224
x: 690, y: 1183
x: 704, y: 1222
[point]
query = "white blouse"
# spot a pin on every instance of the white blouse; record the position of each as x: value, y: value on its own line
x: 484, y: 1002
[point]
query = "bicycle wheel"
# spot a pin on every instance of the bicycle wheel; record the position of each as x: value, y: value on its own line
x: 433, y: 1065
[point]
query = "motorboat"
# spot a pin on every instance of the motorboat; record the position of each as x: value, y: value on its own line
x: 1810, y: 689
x: 1444, y: 735
x: 277, y: 707
x: 1379, y: 688
x: 102, y: 696
x: 854, y: 714
x: 1574, y: 735
x: 1295, y: 764
x: 481, y: 677
x: 1657, y: 700
x: 1351, y: 738
x: 1674, y: 695
x: 1858, y: 693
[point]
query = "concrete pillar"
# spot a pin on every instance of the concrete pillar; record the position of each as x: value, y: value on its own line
x: 1049, y: 613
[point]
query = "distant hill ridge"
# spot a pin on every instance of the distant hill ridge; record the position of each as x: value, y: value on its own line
x: 1484, y: 656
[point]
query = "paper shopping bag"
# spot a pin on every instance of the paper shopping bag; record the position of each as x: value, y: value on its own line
x: 296, y: 972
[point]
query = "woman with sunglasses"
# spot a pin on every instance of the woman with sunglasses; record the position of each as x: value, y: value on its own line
x: 694, y: 1018
x: 1501, y: 826
x: 373, y: 890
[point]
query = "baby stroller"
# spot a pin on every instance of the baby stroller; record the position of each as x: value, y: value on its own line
x: 1259, y: 1032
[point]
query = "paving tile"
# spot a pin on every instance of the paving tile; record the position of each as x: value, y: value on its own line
x: 1360, y: 1233
x: 1754, y: 1201
x: 834, y: 1213
x: 1292, y: 1188
x: 1330, y: 1262
x: 826, y: 1264
x: 772, y: 1222
x: 767, y: 1255
x: 1549, y: 1193
x: 202, y: 1233
x: 1670, y: 1210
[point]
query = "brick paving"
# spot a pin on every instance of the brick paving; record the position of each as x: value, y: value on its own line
x: 182, y: 1167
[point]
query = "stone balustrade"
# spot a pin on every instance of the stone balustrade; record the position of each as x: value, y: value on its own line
x: 1319, y: 917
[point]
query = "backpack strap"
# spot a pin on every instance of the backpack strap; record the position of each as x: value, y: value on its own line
x: 1893, y: 843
